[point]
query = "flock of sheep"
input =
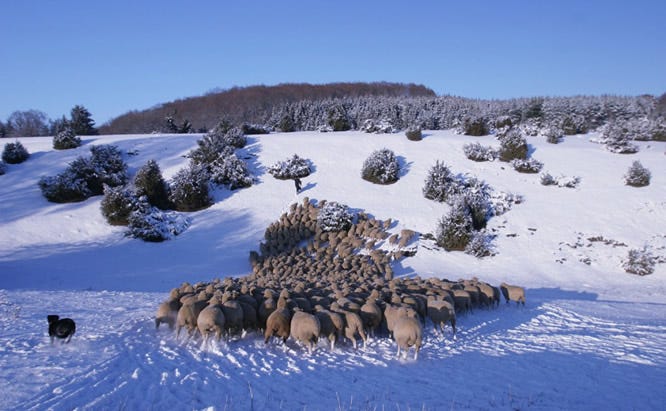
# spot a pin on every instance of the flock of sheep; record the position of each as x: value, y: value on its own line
x: 310, y: 284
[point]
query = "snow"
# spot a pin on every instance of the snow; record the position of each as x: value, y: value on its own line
x: 590, y: 337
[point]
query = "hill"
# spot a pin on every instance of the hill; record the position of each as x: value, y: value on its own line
x: 590, y: 337
x: 252, y: 104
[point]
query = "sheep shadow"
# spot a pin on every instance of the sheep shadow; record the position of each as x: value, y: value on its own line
x: 308, y: 186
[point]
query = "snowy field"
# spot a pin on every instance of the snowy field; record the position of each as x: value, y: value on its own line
x: 590, y: 337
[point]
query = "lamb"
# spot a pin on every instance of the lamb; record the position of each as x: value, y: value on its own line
x: 211, y: 319
x: 278, y: 324
x: 305, y: 327
x: 513, y: 293
x: 440, y: 312
x: 167, y: 313
x: 407, y: 333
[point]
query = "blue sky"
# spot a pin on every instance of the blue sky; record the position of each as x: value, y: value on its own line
x: 116, y: 56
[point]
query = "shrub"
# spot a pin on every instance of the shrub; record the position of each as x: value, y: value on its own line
x: 554, y: 135
x: 210, y: 147
x: 117, y: 204
x: 230, y: 171
x: 149, y: 182
x: 477, y: 152
x: 86, y: 176
x: 295, y: 167
x: 66, y: 139
x: 414, y: 134
x: 513, y: 146
x: 381, y: 167
x: 475, y: 126
x: 561, y: 181
x: 338, y: 118
x: 575, y: 124
x: 476, y: 196
x: 637, y: 175
x: 480, y: 245
x: 501, y: 202
x: 377, y: 126
x: 334, y: 217
x: 14, y: 153
x: 639, y: 261
x: 254, y: 129
x: 235, y: 138
x: 616, y: 137
x: 439, y: 184
x: 547, y: 179
x: 65, y: 187
x: 527, y: 166
x: 189, y: 189
x: 455, y: 229
x: 154, y: 225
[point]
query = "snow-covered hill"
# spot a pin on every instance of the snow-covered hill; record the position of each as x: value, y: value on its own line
x: 590, y: 337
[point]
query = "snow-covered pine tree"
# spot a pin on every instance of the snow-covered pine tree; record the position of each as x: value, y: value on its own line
x: 294, y: 167
x: 117, y: 204
x: 66, y: 139
x: 81, y: 121
x: 230, y: 171
x: 334, y: 217
x: 14, y: 153
x: 149, y: 182
x: 189, y: 188
x: 639, y: 261
x: 381, y: 167
x: 513, y: 145
x: 455, y: 228
x: 477, y: 152
x: 637, y: 175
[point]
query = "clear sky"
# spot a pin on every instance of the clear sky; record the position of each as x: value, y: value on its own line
x: 116, y: 56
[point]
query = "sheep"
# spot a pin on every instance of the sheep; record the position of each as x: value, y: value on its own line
x: 440, y: 312
x: 233, y: 314
x: 331, y: 324
x: 353, y: 325
x: 305, y: 328
x: 211, y: 319
x: 188, y: 313
x: 408, y: 332
x: 513, y: 293
x: 372, y: 316
x: 167, y: 313
x: 278, y: 324
x: 462, y: 301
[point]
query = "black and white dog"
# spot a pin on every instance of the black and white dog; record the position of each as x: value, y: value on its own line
x: 61, y: 328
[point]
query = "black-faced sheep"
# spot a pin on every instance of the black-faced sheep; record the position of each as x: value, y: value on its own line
x: 63, y: 328
x: 408, y: 332
x: 513, y: 293
x: 305, y: 328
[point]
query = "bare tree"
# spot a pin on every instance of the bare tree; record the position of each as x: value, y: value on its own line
x: 28, y: 123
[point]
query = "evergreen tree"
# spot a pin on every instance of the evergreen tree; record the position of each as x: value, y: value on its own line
x: 150, y: 183
x: 14, y: 153
x: 82, y: 122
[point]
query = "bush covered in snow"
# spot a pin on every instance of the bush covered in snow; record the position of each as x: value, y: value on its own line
x: 338, y: 118
x: 381, y: 167
x: 235, y: 137
x: 616, y: 136
x: 294, y: 167
x: 454, y: 231
x: 554, y: 135
x: 477, y: 152
x: 441, y: 184
x: 334, y: 217
x: 501, y: 202
x: 254, y: 129
x: 529, y: 165
x: 639, y: 261
x: 149, y: 182
x: 66, y: 139
x: 637, y: 175
x: 230, y: 171
x: 573, y: 124
x: 562, y: 181
x: 117, y: 204
x: 377, y: 126
x: 414, y: 134
x: 209, y: 148
x: 475, y: 126
x: 154, y: 225
x: 480, y: 245
x: 513, y: 146
x: 189, y: 188
x: 14, y: 153
x: 86, y: 176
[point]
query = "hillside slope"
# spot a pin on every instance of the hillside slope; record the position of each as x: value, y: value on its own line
x: 590, y: 337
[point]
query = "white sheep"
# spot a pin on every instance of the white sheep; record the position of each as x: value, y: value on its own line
x: 305, y: 328
x: 211, y: 319
x: 407, y: 333
x: 513, y: 293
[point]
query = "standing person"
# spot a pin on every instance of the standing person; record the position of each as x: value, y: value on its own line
x: 297, y: 183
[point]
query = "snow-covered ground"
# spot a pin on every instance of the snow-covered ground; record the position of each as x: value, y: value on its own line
x: 590, y: 337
